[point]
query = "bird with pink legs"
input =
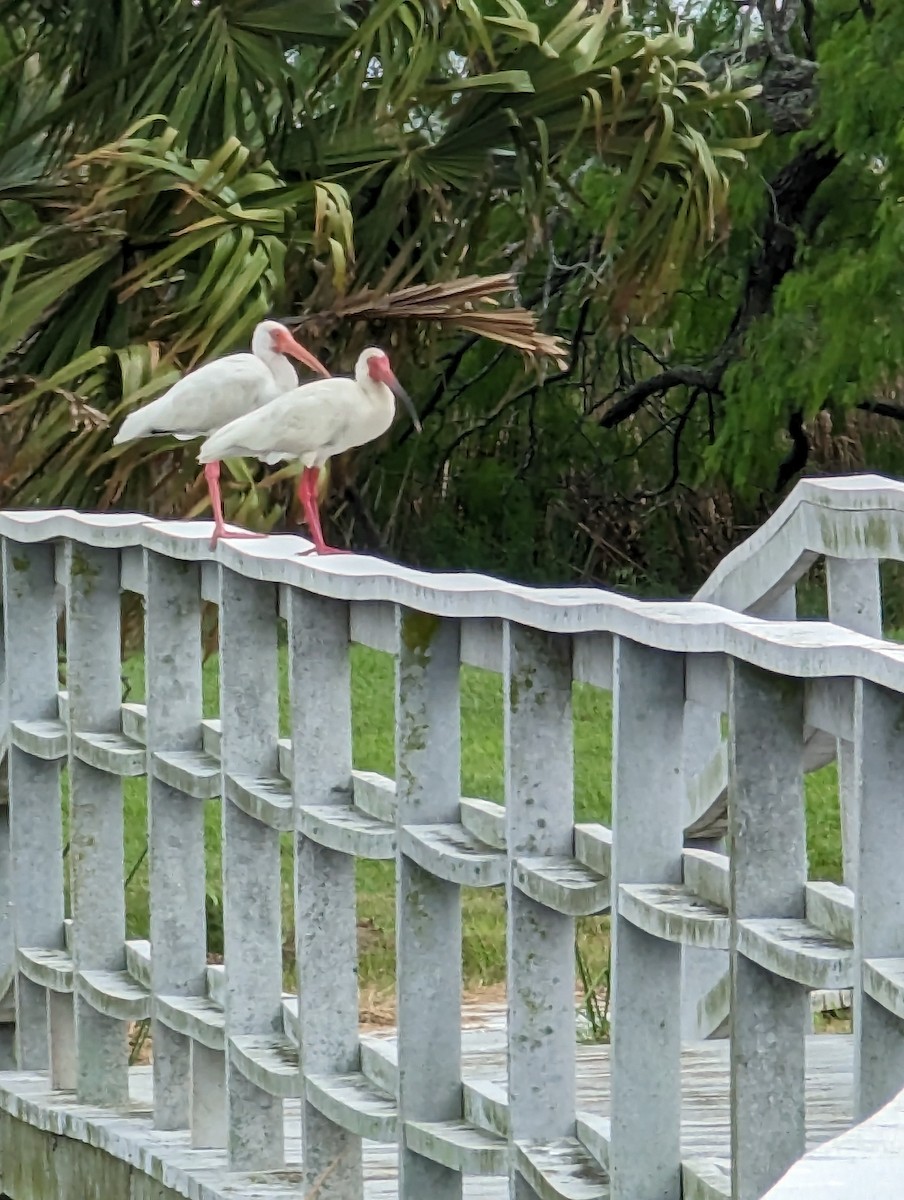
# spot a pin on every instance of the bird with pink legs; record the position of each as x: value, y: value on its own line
x: 314, y: 422
x: 218, y: 393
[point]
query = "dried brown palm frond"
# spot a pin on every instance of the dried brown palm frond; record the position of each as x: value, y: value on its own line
x: 467, y: 304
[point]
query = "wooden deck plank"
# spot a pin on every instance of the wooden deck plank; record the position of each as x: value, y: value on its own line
x: 705, y: 1131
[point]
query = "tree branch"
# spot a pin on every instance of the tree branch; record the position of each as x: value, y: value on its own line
x: 657, y: 385
x: 529, y: 391
x: 881, y: 409
x: 799, y: 454
x: 789, y: 93
x: 676, y: 451
x: 788, y: 81
x: 790, y: 193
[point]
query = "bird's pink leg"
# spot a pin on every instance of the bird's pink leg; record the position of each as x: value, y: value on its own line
x: 307, y: 494
x: 212, y: 475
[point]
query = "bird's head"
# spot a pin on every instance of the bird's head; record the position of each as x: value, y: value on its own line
x: 374, y: 365
x: 274, y: 338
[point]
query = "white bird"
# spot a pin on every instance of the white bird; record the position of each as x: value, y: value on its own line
x: 217, y: 394
x: 312, y: 423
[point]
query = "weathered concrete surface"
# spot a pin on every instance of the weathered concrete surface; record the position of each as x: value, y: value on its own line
x: 36, y: 1165
x: 528, y: 1102
x: 867, y: 1162
x: 171, y: 1164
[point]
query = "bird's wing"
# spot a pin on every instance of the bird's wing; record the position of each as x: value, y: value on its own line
x: 204, y: 400
x: 295, y: 424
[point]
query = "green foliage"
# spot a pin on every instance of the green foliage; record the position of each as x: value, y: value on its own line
x: 336, y: 160
x: 173, y: 171
x: 794, y: 309
x: 831, y: 338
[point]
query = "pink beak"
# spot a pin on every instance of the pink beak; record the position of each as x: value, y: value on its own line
x: 288, y: 345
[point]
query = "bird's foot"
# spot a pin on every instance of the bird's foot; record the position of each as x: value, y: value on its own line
x: 323, y: 550
x: 233, y: 533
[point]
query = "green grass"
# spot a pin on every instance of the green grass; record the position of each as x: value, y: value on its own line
x: 482, y: 775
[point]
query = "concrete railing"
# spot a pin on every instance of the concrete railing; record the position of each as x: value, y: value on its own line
x: 850, y: 524
x: 232, y: 1054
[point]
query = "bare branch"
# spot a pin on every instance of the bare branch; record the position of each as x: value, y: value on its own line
x: 657, y: 385
x: 882, y: 409
x: 676, y: 450
x: 790, y: 193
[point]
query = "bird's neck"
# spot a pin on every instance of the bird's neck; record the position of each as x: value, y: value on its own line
x: 377, y: 394
x: 280, y: 368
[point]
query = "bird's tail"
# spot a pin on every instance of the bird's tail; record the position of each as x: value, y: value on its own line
x: 210, y: 448
x: 135, y: 425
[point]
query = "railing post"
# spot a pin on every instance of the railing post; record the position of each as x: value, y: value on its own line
x: 7, y: 934
x: 855, y: 601
x: 768, y: 870
x: 325, y: 906
x: 175, y: 821
x: 249, y: 714
x: 36, y: 879
x: 701, y: 969
x: 648, y: 808
x: 539, y: 817
x: 428, y: 910
x: 93, y: 674
x: 879, y: 898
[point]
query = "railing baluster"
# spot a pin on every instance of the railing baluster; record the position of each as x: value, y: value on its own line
x: 701, y: 969
x: 7, y: 934
x: 855, y: 601
x: 539, y: 816
x: 325, y: 904
x: 648, y: 807
x: 249, y: 712
x: 209, y: 1119
x: 879, y: 900
x: 94, y: 684
x: 30, y: 637
x: 428, y: 910
x: 769, y: 1014
x: 7, y: 893
x: 785, y: 936
x: 175, y: 821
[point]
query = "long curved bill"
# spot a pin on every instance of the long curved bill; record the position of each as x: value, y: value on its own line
x: 399, y: 392
x: 305, y: 356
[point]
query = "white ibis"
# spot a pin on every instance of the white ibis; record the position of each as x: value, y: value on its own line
x: 217, y: 394
x: 312, y: 423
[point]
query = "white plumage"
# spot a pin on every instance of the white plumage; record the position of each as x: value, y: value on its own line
x: 312, y: 423
x: 220, y: 392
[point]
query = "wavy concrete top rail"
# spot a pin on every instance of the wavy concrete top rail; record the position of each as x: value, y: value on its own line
x: 852, y: 517
x: 867, y: 1162
x: 802, y: 650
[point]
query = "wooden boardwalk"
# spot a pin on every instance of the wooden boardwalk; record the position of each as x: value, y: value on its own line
x: 202, y: 1174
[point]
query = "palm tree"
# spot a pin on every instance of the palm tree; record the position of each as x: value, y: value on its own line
x: 172, y: 170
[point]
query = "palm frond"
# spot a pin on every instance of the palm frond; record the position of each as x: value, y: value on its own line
x: 451, y: 304
x: 170, y: 173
